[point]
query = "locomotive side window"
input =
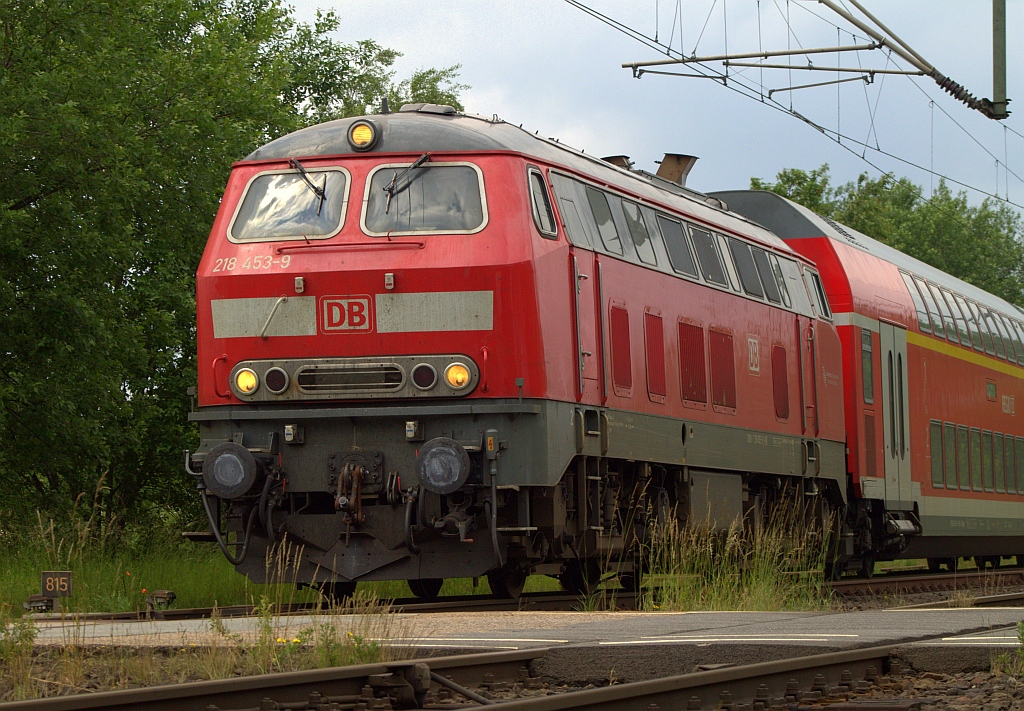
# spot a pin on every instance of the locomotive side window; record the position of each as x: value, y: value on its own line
x: 961, y: 323
x: 783, y: 289
x: 638, y: 231
x: 432, y: 198
x: 764, y: 268
x: 707, y: 255
x: 986, y: 336
x: 826, y: 310
x: 796, y: 290
x: 971, y: 323
x: 867, y: 366
x: 947, y: 317
x: 565, y: 191
x: 976, y: 459
x: 603, y: 217
x: 962, y: 458
x: 730, y: 268
x: 745, y: 266
x: 935, y: 440
x: 541, y: 203
x: 923, y: 322
x: 290, y: 205
x: 949, y: 454
x: 678, y: 249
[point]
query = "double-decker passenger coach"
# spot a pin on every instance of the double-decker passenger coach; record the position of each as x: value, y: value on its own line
x: 435, y: 345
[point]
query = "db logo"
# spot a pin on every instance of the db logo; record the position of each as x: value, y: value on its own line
x: 346, y: 313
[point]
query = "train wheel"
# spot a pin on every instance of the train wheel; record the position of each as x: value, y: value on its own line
x: 1019, y: 559
x: 507, y: 582
x: 336, y: 593
x: 867, y: 567
x: 834, y: 569
x: 426, y: 587
x: 935, y: 565
x: 581, y: 577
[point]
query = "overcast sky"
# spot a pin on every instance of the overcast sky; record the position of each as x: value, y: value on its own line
x: 556, y: 70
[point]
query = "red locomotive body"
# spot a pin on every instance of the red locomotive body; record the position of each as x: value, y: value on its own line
x: 933, y: 367
x: 433, y: 345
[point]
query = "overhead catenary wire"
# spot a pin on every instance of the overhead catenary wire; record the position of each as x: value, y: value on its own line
x: 741, y: 88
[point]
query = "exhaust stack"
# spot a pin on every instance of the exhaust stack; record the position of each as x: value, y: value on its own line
x: 675, y: 167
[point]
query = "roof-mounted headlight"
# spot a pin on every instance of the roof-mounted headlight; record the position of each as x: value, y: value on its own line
x: 363, y: 135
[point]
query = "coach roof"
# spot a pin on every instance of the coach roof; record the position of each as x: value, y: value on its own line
x: 434, y: 129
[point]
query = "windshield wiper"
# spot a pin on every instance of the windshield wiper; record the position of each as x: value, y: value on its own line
x: 393, y: 189
x: 318, y: 191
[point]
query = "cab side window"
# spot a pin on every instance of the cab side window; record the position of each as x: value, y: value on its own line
x: 541, y: 204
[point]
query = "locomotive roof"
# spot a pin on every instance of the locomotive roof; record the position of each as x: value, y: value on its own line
x: 794, y: 221
x: 437, y: 129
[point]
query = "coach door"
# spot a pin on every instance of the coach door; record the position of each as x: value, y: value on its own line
x: 895, y: 415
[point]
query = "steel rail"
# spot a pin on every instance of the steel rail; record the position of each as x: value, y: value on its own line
x: 293, y: 687
x: 928, y: 582
x: 772, y: 684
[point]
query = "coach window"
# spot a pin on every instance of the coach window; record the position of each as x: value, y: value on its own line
x: 638, y: 231
x: 745, y: 266
x: 971, y: 323
x: 1018, y: 329
x: 781, y: 281
x: 923, y: 322
x: 1019, y: 459
x: 603, y: 217
x: 996, y: 329
x: 933, y: 310
x: 1011, y: 465
x: 1013, y: 345
x: 676, y: 244
x: 986, y: 459
x: 935, y: 437
x: 986, y: 336
x: 434, y: 197
x: 962, y: 458
x: 286, y: 205
x: 976, y: 459
x: 541, y: 203
x: 997, y: 462
x: 707, y: 255
x: 947, y: 317
x: 867, y: 366
x: 949, y: 454
x: 961, y: 323
x: 764, y: 268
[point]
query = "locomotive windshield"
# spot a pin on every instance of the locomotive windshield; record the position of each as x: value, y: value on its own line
x: 284, y: 206
x: 433, y: 198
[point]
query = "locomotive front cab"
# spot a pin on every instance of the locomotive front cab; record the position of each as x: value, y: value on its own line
x: 371, y: 348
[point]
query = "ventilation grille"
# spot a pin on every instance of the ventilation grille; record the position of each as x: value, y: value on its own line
x: 692, y: 371
x: 655, y: 333
x: 622, y: 364
x: 780, y: 382
x: 361, y: 378
x: 723, y: 369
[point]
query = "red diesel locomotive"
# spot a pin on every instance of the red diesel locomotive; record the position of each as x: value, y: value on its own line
x: 434, y: 345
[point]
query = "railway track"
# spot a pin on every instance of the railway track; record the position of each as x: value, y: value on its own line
x: 476, y: 679
x: 562, y: 601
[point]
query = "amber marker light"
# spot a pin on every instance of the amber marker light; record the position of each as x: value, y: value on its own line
x: 246, y: 381
x: 362, y: 135
x: 457, y: 376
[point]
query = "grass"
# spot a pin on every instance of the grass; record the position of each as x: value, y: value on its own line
x: 1012, y: 662
x: 767, y: 568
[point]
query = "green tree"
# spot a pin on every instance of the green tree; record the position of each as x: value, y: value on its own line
x: 980, y: 244
x: 118, y: 125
